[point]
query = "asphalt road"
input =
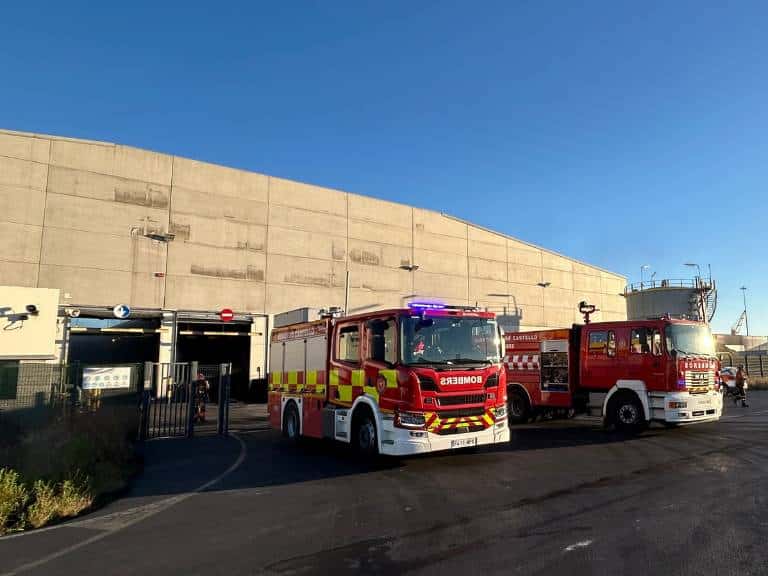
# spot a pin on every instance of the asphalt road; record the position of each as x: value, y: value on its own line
x: 561, y: 498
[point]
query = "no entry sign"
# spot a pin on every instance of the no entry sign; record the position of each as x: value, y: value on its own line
x: 226, y: 315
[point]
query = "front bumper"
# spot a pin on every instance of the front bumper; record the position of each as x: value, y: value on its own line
x: 404, y: 442
x: 698, y: 407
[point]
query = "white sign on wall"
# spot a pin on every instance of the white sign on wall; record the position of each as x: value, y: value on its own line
x: 28, y: 323
x: 106, y: 377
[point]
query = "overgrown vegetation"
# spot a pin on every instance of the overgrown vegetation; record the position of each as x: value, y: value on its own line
x: 66, y: 468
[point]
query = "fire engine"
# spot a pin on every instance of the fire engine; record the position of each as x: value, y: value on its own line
x: 396, y: 382
x: 629, y: 372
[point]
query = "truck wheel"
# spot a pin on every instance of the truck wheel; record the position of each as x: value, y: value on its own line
x: 626, y: 413
x: 364, y: 438
x: 291, y: 422
x: 518, y: 407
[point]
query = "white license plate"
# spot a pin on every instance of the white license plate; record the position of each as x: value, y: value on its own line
x: 463, y: 442
x: 705, y: 401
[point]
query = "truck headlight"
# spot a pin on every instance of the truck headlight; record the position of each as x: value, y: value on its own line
x: 410, y: 420
x: 675, y: 405
x: 501, y: 412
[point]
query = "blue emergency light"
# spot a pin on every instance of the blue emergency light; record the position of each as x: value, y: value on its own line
x: 426, y: 306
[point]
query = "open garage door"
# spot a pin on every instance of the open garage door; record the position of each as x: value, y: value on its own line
x: 111, y: 341
x: 213, y: 343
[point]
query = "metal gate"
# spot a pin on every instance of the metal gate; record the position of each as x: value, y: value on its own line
x: 176, y: 398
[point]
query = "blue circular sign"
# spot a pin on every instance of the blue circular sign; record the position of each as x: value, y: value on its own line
x: 121, y: 311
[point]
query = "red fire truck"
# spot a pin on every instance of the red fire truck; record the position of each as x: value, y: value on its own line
x: 629, y: 372
x: 396, y: 382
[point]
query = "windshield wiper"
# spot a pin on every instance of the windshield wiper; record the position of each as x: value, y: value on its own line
x: 469, y: 361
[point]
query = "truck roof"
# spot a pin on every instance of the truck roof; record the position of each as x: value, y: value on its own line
x: 447, y: 311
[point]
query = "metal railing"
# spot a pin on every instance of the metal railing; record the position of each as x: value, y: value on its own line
x: 697, y: 283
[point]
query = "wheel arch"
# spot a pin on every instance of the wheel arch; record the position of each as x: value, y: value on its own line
x: 517, y: 385
x: 297, y: 402
x: 369, y: 403
x: 637, y: 387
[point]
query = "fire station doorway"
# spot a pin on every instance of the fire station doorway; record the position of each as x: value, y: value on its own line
x: 212, y: 343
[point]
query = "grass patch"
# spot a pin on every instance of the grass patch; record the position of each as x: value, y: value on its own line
x: 13, y: 501
x: 65, y: 469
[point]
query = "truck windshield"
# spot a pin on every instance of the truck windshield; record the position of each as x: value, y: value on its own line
x: 449, y: 340
x: 691, y: 340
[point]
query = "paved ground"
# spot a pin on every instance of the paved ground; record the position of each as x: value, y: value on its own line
x: 561, y: 498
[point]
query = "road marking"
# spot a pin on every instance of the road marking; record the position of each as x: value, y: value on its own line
x: 154, y: 509
x: 582, y: 544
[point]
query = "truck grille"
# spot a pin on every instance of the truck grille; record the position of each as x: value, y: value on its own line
x: 461, y: 413
x: 699, y: 382
x: 461, y: 399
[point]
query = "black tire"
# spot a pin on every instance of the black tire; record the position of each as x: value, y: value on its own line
x: 626, y: 413
x: 518, y: 407
x: 291, y: 422
x: 365, y: 441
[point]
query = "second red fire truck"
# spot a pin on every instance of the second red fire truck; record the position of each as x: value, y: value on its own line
x: 402, y: 381
x: 630, y: 372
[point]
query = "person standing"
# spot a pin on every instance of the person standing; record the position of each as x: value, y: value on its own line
x: 741, y: 380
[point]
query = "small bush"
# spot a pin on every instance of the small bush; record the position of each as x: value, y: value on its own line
x: 13, y: 499
x: 45, y: 507
x: 74, y: 497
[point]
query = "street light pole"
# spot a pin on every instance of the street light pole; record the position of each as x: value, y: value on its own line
x: 643, y: 268
x: 746, y: 317
x: 698, y: 269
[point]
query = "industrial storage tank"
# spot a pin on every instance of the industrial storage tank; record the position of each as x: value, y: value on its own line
x: 688, y: 298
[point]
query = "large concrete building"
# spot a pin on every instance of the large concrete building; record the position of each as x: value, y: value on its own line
x: 178, y: 240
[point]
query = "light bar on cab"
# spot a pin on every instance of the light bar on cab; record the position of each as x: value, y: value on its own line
x: 426, y: 306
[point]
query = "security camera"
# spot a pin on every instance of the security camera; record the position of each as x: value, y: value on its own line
x: 32, y: 309
x: 73, y: 312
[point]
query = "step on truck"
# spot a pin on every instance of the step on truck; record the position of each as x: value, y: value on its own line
x: 629, y: 373
x: 396, y: 382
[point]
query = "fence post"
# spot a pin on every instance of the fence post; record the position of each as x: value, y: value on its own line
x: 145, y: 400
x: 225, y: 371
x: 191, y: 389
x: 762, y: 371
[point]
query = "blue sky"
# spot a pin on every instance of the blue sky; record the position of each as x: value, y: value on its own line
x: 619, y: 133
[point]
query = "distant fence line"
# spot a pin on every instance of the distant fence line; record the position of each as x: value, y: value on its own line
x: 756, y: 364
x: 33, y: 394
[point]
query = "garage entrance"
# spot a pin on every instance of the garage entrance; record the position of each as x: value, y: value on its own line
x: 212, y: 343
x: 112, y: 341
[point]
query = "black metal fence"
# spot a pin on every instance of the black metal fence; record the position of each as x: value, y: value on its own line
x: 754, y: 364
x: 183, y: 399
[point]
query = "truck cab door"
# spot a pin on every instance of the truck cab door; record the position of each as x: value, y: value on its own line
x: 380, y: 358
x: 645, y: 359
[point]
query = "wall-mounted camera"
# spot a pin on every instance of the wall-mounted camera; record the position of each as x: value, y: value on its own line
x: 32, y: 310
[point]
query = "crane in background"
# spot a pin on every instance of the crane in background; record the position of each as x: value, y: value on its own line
x: 736, y: 328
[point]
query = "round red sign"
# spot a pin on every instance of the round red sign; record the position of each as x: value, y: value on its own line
x: 226, y: 315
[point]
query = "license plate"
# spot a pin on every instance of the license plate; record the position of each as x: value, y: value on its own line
x: 463, y: 442
x: 705, y: 401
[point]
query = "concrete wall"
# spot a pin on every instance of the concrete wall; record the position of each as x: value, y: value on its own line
x: 75, y: 215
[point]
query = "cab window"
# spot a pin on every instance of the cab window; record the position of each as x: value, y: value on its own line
x: 640, y: 341
x: 381, y: 341
x: 611, y: 344
x: 348, y: 344
x: 655, y: 342
x: 598, y: 343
